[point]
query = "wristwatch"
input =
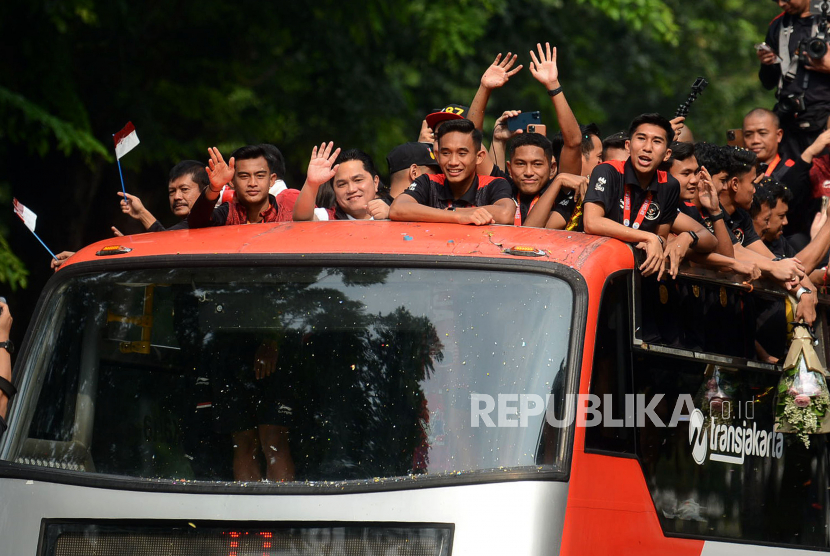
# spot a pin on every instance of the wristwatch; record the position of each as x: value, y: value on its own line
x: 695, y: 239
x: 801, y: 291
x: 715, y: 217
x: 8, y: 346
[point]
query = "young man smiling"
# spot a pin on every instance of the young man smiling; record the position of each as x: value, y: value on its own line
x: 635, y: 202
x: 458, y: 195
x: 250, y: 173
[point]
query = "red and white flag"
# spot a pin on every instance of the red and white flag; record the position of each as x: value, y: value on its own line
x: 28, y: 217
x: 125, y: 140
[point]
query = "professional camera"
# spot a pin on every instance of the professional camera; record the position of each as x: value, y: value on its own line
x: 790, y: 103
x: 816, y: 47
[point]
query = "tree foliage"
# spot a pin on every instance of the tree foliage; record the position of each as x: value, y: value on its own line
x: 363, y: 73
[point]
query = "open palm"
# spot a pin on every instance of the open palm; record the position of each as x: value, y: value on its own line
x: 218, y: 171
x: 544, y: 68
x: 321, y: 167
x: 500, y: 71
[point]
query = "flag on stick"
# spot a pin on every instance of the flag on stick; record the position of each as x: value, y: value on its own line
x: 125, y: 141
x: 29, y: 218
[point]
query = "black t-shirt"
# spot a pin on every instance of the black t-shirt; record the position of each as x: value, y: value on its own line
x: 523, y: 202
x: 701, y: 216
x: 3, y: 426
x: 740, y: 224
x: 157, y: 227
x: 781, y: 248
x: 608, y: 188
x: 430, y: 190
x: 793, y: 172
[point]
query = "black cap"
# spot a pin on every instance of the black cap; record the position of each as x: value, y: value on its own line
x: 404, y: 156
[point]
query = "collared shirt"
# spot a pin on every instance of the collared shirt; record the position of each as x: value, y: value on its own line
x: 203, y: 215
x: 432, y: 191
x: 701, y: 215
x: 781, y: 248
x: 608, y: 186
x: 740, y: 224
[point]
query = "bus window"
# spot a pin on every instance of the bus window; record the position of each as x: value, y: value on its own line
x: 718, y: 469
x: 376, y: 372
x: 611, y: 377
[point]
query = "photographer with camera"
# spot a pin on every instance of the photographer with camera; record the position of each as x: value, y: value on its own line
x: 795, y: 60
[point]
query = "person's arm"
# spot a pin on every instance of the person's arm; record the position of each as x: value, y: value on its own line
x: 321, y: 168
x: 679, y: 246
x: 546, y: 72
x: 407, y: 209
x: 821, y: 143
x: 5, y: 357
x: 788, y: 272
x: 540, y: 214
x: 806, y: 308
x: 497, y: 154
x: 503, y: 211
x: 718, y: 262
x: 708, y: 195
x: 497, y: 75
x: 596, y: 223
x: 133, y: 207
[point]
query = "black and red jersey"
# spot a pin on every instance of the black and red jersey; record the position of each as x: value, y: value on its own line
x: 431, y: 190
x: 614, y: 181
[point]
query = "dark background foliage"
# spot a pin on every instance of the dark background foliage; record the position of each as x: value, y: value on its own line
x: 363, y: 73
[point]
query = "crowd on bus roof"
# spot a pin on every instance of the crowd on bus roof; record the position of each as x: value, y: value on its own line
x: 756, y: 211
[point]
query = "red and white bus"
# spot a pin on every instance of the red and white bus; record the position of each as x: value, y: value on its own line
x: 138, y: 376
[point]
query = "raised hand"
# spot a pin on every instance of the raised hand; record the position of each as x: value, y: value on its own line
x: 218, y: 171
x: 707, y: 193
x: 500, y: 131
x: 677, y: 125
x: 499, y: 71
x: 321, y: 167
x: 426, y: 134
x: 132, y: 205
x: 544, y: 68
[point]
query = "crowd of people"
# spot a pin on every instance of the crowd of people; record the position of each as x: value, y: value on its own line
x: 758, y: 210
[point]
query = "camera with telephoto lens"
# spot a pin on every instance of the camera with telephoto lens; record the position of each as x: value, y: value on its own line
x: 816, y: 47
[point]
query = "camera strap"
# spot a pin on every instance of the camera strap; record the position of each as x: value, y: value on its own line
x: 789, y: 65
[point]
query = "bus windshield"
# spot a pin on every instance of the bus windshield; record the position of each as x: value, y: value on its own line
x: 292, y: 374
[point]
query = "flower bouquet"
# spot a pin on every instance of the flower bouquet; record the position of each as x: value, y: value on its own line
x: 803, y: 398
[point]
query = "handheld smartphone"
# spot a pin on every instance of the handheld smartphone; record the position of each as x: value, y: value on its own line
x: 3, y: 299
x: 825, y: 200
x: 735, y: 138
x: 763, y: 46
x: 537, y: 128
x: 523, y: 120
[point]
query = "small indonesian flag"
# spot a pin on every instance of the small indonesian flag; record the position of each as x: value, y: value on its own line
x: 125, y: 140
x: 28, y: 217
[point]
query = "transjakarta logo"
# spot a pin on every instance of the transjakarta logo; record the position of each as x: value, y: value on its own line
x: 730, y: 444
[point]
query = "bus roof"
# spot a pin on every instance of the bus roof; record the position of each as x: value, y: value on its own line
x: 580, y: 251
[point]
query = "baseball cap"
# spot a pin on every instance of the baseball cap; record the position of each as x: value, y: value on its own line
x: 404, y: 156
x: 449, y: 112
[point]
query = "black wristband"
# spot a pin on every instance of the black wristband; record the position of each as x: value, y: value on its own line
x: 716, y: 217
x: 554, y: 92
x: 7, y: 387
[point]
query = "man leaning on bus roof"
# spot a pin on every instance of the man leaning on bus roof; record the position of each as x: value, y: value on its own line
x: 458, y: 195
x: 635, y: 202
